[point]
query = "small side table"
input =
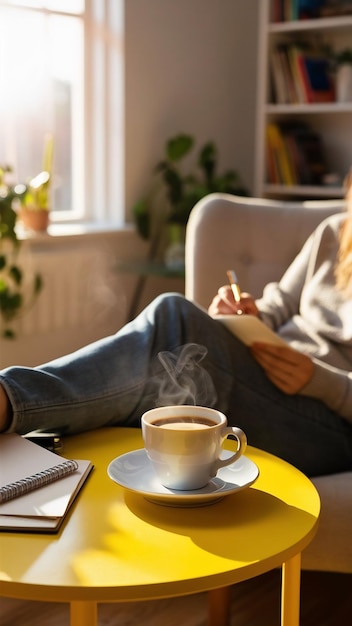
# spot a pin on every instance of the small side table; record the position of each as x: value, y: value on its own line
x: 115, y: 546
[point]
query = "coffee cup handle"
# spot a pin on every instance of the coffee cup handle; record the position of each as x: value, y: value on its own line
x: 241, y: 446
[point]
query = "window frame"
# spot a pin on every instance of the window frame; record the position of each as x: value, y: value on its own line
x: 101, y: 173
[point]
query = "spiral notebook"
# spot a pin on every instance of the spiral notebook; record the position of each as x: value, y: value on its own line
x: 37, y: 487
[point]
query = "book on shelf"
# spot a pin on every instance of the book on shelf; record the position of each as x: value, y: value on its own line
x: 37, y: 486
x: 294, y: 54
x: 273, y: 175
x: 290, y: 10
x: 312, y: 165
x: 316, y: 75
x: 278, y: 165
x: 284, y: 75
x: 300, y: 75
x: 275, y: 11
x: 294, y: 154
x: 283, y: 10
x: 311, y: 9
x: 288, y: 74
x: 280, y: 89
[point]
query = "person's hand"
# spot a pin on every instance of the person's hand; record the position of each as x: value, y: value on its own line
x: 288, y: 369
x: 224, y: 303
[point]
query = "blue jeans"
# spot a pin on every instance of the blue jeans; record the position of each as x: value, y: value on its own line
x: 173, y: 352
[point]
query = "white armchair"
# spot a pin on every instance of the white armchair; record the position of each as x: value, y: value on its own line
x: 259, y: 238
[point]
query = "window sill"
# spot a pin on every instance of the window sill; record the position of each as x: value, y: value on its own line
x: 70, y: 231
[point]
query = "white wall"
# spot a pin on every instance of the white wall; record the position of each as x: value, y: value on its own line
x: 190, y: 67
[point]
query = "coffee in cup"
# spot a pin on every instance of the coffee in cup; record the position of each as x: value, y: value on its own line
x: 184, y: 444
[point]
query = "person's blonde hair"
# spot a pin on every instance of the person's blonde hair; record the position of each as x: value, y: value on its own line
x: 343, y: 271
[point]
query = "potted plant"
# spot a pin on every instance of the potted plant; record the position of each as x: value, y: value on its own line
x: 17, y: 291
x: 34, y: 210
x: 164, y: 212
x: 35, y: 202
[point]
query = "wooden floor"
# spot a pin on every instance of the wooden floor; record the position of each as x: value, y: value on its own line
x: 326, y: 600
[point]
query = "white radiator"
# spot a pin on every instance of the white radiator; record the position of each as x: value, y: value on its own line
x: 70, y: 297
x: 81, y: 300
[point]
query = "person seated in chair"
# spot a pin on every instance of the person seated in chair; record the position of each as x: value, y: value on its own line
x: 294, y: 401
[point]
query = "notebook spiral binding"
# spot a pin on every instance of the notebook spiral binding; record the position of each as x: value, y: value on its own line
x: 25, y: 485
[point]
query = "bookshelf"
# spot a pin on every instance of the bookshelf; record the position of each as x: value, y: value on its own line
x: 319, y: 121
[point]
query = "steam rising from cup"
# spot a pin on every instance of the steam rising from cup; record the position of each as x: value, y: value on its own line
x: 185, y: 381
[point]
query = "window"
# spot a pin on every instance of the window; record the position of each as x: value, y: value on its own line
x: 61, y: 81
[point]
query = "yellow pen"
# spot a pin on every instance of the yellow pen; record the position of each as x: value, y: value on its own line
x: 231, y: 275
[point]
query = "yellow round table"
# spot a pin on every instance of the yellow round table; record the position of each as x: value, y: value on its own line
x: 115, y: 546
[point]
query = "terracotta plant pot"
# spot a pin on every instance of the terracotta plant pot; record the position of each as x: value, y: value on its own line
x: 35, y: 219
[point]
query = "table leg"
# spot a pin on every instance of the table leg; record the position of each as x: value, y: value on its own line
x: 290, y: 592
x: 83, y: 614
x: 219, y: 607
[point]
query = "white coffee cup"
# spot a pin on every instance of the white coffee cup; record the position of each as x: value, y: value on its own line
x: 184, y: 444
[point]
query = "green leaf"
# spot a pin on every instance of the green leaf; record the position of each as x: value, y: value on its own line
x: 8, y: 333
x: 38, y: 284
x: 178, y: 147
x: 16, y: 274
x: 142, y: 218
x: 174, y: 185
x: 16, y: 301
x: 141, y: 207
x: 207, y: 161
x: 7, y: 221
x: 9, y: 304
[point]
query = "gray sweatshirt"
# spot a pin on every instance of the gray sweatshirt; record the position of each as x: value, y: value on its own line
x: 306, y: 310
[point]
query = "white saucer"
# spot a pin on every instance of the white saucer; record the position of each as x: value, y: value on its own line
x: 135, y: 472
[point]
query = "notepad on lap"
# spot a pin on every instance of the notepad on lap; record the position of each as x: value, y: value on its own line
x: 249, y: 328
x: 43, y: 509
